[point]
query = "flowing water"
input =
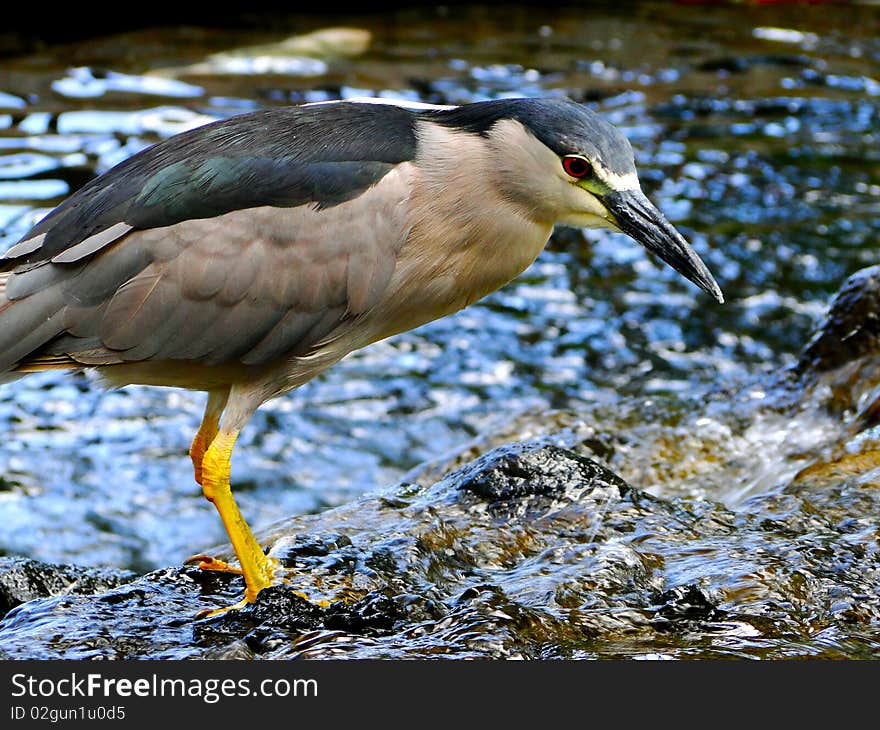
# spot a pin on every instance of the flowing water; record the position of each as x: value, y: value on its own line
x: 755, y: 130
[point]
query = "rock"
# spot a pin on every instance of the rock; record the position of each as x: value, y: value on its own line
x: 299, y: 55
x: 841, y: 362
x: 515, y: 471
x: 851, y: 328
x: 409, y: 560
x: 529, y: 551
x: 22, y: 580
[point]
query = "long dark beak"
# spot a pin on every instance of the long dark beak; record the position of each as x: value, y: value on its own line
x: 637, y: 217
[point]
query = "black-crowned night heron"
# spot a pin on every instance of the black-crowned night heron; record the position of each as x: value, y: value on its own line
x: 244, y: 257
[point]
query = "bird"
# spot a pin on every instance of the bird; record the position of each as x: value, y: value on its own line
x: 244, y: 257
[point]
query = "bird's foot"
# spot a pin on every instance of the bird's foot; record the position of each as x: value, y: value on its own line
x: 213, y: 612
x: 208, y: 562
x: 270, y: 574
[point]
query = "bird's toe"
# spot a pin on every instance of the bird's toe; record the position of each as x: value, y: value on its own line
x: 208, y: 562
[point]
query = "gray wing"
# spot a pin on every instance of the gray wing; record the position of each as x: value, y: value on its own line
x: 245, y: 286
x: 285, y: 157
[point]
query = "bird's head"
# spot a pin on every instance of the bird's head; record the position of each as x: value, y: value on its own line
x: 567, y: 164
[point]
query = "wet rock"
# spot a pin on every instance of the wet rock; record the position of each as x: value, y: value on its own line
x: 299, y: 55
x: 840, y: 368
x: 515, y: 471
x: 851, y: 328
x: 684, y: 605
x: 22, y: 580
x: 416, y: 563
x: 529, y: 551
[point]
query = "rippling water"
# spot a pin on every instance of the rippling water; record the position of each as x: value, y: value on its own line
x: 755, y: 130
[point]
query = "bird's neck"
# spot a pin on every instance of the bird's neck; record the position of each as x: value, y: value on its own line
x: 465, y: 239
x: 455, y: 255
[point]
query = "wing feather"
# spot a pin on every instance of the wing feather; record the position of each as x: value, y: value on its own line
x: 293, y: 327
x: 240, y: 276
x: 134, y: 310
x: 248, y: 287
x: 199, y: 276
x: 91, y: 244
x: 287, y: 157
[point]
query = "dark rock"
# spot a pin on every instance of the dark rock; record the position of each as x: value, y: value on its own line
x: 22, y: 580
x: 275, y: 608
x: 530, y: 551
x: 684, y: 605
x: 515, y: 471
x: 841, y: 362
x: 851, y: 328
x: 396, y: 564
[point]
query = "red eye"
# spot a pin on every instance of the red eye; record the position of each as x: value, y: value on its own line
x: 576, y: 166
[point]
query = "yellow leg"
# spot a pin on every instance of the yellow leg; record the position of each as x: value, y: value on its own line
x: 207, y: 431
x: 257, y: 569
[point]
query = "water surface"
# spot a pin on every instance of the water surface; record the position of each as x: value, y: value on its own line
x: 755, y: 130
